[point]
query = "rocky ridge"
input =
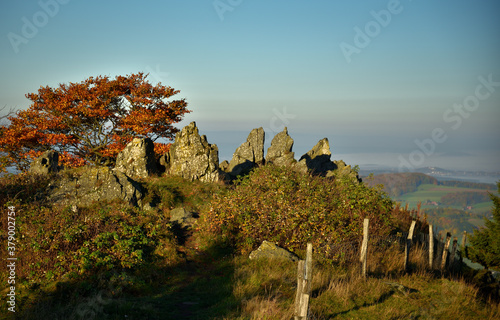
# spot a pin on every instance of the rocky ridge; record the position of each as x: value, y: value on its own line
x: 191, y: 157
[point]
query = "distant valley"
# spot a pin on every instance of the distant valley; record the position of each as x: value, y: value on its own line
x: 450, y: 205
x: 439, y: 173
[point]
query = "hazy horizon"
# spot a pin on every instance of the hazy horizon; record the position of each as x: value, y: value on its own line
x: 396, y: 83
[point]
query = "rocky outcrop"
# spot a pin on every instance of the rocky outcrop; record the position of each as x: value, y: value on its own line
x: 317, y: 160
x: 192, y: 157
x: 86, y: 185
x: 344, y: 171
x: 47, y: 163
x: 224, y: 165
x: 271, y: 251
x: 249, y: 155
x: 137, y: 160
x: 280, y: 152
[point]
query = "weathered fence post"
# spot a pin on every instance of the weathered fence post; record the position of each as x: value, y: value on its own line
x: 431, y: 246
x: 408, y: 245
x: 462, y: 246
x: 453, y: 251
x: 445, y: 250
x: 364, y: 246
x: 304, y: 281
x: 300, y: 289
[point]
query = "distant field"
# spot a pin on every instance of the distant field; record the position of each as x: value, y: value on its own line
x: 434, y: 193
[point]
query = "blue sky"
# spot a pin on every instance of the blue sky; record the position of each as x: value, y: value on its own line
x: 394, y: 97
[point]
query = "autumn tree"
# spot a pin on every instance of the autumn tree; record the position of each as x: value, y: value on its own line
x: 91, y: 121
x: 484, y: 245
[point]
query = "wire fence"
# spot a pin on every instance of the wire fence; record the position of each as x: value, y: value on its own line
x: 388, y: 252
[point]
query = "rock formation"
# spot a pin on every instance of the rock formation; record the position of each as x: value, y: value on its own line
x: 280, y: 152
x: 342, y: 170
x: 270, y: 250
x: 94, y: 184
x: 317, y: 159
x: 46, y: 163
x: 192, y: 157
x: 249, y: 155
x: 137, y: 160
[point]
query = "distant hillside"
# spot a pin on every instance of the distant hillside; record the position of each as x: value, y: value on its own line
x: 397, y: 184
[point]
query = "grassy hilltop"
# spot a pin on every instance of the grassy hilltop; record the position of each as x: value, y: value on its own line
x: 113, y: 261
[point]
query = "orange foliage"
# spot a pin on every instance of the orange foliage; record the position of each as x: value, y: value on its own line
x: 92, y: 121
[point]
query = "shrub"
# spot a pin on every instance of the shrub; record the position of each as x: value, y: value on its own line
x: 291, y: 208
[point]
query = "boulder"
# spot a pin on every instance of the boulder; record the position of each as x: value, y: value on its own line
x: 249, y: 155
x: 86, y: 185
x: 280, y: 152
x: 270, y: 250
x: 182, y: 216
x: 224, y: 165
x: 137, y: 160
x: 317, y: 159
x: 46, y: 163
x: 192, y: 157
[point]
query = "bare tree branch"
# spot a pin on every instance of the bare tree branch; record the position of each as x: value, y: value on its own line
x: 8, y: 114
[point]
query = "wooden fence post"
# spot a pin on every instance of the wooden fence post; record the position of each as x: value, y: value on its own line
x: 462, y: 246
x: 431, y: 246
x: 445, y: 250
x: 408, y: 245
x: 300, y: 288
x: 364, y: 246
x: 304, y: 281
x: 453, y: 252
x: 309, y: 267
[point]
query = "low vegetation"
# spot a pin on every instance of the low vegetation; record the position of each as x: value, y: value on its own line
x: 111, y: 261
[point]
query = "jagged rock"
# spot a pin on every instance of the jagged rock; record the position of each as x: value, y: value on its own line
x: 163, y: 163
x: 280, y: 152
x: 192, y: 157
x: 93, y: 184
x: 344, y: 171
x: 46, y: 163
x: 317, y: 159
x: 182, y: 216
x: 137, y: 160
x: 249, y: 155
x: 270, y: 250
x: 224, y: 165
